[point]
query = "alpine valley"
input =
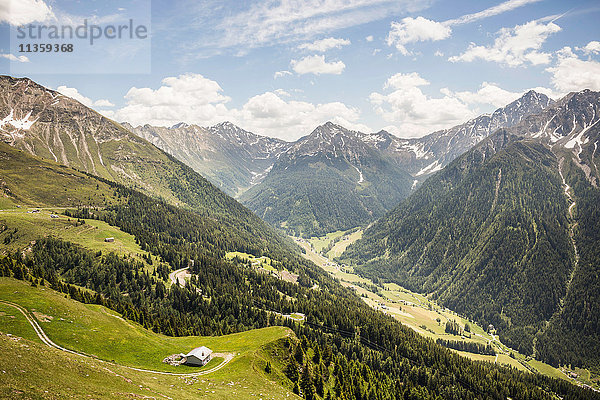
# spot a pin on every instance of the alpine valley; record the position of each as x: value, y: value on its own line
x: 122, y: 248
x: 332, y: 179
x: 507, y: 234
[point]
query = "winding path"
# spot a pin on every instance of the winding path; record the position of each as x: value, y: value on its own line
x: 227, y: 357
x: 180, y: 273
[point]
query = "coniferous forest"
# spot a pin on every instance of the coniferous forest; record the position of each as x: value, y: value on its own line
x: 372, y: 355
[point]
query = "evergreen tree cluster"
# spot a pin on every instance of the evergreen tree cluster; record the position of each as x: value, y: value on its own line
x: 488, y: 236
x: 470, y: 347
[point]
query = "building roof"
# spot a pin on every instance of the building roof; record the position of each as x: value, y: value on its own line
x: 200, y: 352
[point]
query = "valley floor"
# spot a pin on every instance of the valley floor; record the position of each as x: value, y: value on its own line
x: 421, y: 313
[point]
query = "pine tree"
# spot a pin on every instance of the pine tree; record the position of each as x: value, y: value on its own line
x: 306, y: 383
x: 299, y: 354
x: 319, y: 385
x: 291, y: 370
x: 317, y: 355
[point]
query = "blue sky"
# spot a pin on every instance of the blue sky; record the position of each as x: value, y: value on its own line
x: 281, y: 67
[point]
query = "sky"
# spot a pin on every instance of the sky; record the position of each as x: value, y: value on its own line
x: 282, y: 67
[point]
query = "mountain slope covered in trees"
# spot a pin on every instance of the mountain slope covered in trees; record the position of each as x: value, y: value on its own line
x: 327, y: 181
x: 495, y: 235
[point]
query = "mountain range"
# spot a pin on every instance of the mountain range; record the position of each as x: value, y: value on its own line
x: 332, y: 179
x: 507, y: 233
x: 423, y: 156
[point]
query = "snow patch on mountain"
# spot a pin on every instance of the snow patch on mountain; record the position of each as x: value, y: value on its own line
x: 24, y: 123
x: 431, y: 168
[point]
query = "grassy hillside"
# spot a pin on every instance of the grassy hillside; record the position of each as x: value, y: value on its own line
x: 100, y: 332
x: 27, y: 180
x: 33, y: 181
x: 91, y: 234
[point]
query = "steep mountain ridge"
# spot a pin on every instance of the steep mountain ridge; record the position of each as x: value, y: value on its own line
x: 492, y: 235
x: 326, y: 181
x: 230, y: 157
x: 47, y: 124
x: 424, y: 156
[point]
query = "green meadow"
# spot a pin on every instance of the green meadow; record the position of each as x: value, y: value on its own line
x: 104, y: 335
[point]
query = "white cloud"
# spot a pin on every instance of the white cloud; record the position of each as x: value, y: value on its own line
x: 488, y: 93
x: 191, y: 98
x: 317, y: 65
x: 23, y: 12
x: 411, y: 30
x: 281, y: 74
x: 369, y: 38
x: 103, y: 103
x: 405, y: 81
x: 323, y: 45
x: 592, y: 47
x: 412, y: 112
x: 12, y: 57
x: 573, y: 74
x: 514, y: 46
x: 490, y: 12
x: 269, y: 114
x: 281, y: 92
x: 86, y: 101
x: 195, y: 99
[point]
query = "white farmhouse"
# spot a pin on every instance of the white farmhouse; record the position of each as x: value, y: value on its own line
x: 198, y: 357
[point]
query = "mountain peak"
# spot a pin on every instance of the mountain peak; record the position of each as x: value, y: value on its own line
x: 330, y: 129
x: 226, y: 125
x: 180, y: 125
x: 529, y: 99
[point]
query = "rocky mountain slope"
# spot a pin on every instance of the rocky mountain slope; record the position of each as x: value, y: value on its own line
x: 508, y: 234
x: 231, y: 158
x: 326, y: 181
x: 47, y: 124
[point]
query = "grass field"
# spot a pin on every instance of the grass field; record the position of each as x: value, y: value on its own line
x: 319, y: 243
x: 91, y: 235
x: 257, y: 262
x: 97, y: 331
x: 100, y: 332
x: 342, y: 244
